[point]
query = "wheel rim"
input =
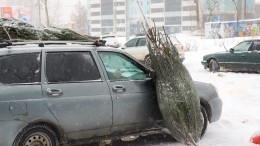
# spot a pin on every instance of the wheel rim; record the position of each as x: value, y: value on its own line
x: 38, y: 139
x: 148, y: 62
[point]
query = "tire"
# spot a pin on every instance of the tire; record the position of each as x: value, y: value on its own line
x: 148, y: 62
x: 205, y: 120
x: 37, y: 135
x: 213, y: 66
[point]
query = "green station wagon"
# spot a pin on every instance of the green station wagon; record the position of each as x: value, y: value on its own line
x: 243, y: 57
x: 59, y: 93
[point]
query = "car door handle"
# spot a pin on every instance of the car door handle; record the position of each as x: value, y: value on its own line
x: 54, y: 92
x: 118, y: 89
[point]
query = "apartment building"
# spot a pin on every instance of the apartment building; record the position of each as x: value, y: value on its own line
x: 107, y: 16
x: 123, y: 17
x: 176, y: 15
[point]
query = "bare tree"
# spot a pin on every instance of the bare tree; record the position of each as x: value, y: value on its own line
x: 45, y: 3
x: 213, y: 7
x: 55, y: 13
x: 79, y: 15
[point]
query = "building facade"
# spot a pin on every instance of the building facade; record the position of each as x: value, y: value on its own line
x: 123, y: 17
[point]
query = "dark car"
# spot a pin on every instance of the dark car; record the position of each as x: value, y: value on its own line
x: 243, y: 57
x: 66, y: 94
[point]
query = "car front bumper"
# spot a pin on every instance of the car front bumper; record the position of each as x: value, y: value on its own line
x: 205, y: 64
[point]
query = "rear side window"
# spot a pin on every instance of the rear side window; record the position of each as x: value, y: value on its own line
x: 20, y: 68
x: 141, y: 42
x: 131, y: 43
x: 71, y: 67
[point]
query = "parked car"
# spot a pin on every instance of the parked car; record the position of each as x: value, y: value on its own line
x: 111, y: 41
x: 62, y: 94
x: 138, y: 49
x: 243, y: 57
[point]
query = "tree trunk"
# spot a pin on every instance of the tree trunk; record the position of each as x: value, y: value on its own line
x: 198, y: 13
x: 176, y: 94
x: 47, y: 13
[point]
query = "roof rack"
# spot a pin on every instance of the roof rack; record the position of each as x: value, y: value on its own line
x: 5, y: 43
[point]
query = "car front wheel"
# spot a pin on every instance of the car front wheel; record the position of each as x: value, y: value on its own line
x: 205, y: 120
x: 213, y: 66
x: 37, y: 135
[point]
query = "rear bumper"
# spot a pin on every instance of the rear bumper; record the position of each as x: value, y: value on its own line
x: 9, y: 130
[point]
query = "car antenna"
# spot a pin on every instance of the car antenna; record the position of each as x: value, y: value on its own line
x: 224, y: 46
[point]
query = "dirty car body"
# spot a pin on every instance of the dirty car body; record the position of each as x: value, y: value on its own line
x: 77, y: 93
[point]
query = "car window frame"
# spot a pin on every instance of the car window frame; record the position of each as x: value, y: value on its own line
x: 44, y: 75
x: 40, y: 69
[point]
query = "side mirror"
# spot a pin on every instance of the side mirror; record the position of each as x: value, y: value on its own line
x: 231, y: 50
x: 152, y: 75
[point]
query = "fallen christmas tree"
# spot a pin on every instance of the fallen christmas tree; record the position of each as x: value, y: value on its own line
x: 13, y: 29
x: 176, y: 93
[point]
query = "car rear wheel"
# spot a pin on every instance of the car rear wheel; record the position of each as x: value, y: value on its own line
x: 148, y: 62
x: 213, y: 66
x: 37, y: 135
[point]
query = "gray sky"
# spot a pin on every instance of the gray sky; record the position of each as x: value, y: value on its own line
x: 67, y: 7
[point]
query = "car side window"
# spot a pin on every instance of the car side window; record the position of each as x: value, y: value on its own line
x: 121, y: 67
x: 70, y: 67
x: 256, y: 46
x: 20, y: 68
x: 242, y: 47
x: 141, y: 42
x: 131, y: 43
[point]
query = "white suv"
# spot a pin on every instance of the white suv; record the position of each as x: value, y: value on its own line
x: 138, y: 49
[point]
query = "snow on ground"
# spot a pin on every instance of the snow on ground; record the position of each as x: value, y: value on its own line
x: 240, y: 93
x: 241, y: 103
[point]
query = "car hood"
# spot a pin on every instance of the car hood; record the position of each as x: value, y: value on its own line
x: 206, y: 57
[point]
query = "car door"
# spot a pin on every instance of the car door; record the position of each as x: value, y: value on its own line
x: 134, y: 101
x: 253, y: 57
x: 236, y: 58
x: 76, y: 93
